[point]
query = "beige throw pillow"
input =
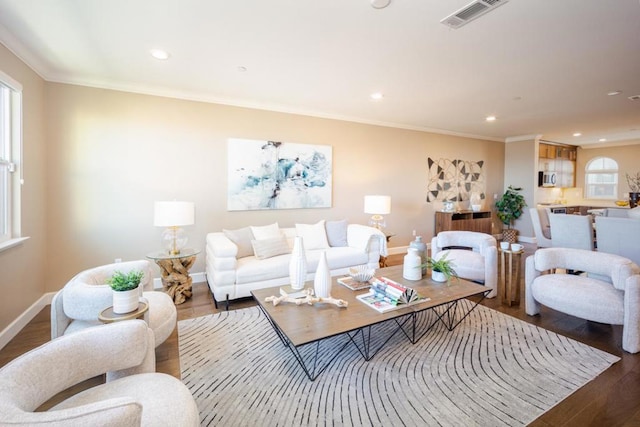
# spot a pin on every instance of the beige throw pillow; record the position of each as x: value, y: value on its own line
x: 267, y: 248
x: 242, y: 237
x: 266, y: 231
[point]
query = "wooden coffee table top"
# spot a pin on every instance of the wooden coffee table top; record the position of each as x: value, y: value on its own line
x: 304, y: 324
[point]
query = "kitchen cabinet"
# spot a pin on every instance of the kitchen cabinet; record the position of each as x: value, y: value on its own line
x: 560, y: 159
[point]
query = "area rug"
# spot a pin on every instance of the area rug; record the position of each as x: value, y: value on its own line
x: 492, y: 370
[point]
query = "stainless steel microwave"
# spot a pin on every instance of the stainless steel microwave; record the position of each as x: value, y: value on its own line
x: 546, y: 179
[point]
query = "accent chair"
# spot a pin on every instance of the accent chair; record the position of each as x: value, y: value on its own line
x: 572, y: 231
x: 541, y: 227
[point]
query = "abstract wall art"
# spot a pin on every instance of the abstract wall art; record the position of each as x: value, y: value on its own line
x: 454, y: 180
x: 278, y: 175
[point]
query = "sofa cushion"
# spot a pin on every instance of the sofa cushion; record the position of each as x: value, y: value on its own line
x: 337, y: 233
x: 266, y: 231
x: 267, y: 248
x: 314, y: 236
x: 242, y: 237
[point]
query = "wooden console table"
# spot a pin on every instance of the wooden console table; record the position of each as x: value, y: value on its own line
x: 464, y: 220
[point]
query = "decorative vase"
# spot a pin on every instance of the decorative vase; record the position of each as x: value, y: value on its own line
x: 322, y: 279
x: 475, y: 201
x: 438, y: 276
x: 125, y: 301
x: 634, y: 199
x: 510, y: 235
x: 298, y: 265
x: 421, y: 247
x: 411, y: 268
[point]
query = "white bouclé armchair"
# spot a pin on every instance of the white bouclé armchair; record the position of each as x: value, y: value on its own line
x: 474, y: 255
x: 608, y: 290
x: 77, y: 305
x: 133, y: 394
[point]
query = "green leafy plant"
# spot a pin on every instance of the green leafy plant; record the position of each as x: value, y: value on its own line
x: 634, y: 182
x: 121, y: 282
x: 443, y: 265
x: 510, y: 206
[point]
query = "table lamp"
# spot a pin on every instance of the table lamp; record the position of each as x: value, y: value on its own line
x: 378, y: 206
x: 173, y: 215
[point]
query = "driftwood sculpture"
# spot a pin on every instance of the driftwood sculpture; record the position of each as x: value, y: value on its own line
x: 308, y: 299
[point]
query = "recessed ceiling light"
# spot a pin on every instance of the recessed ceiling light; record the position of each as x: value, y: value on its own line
x: 376, y: 96
x: 242, y: 69
x: 380, y: 4
x: 159, y: 54
x: 602, y: 140
x: 491, y: 118
x: 577, y: 134
x: 614, y: 92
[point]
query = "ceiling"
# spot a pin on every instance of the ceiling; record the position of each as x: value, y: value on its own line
x: 542, y: 67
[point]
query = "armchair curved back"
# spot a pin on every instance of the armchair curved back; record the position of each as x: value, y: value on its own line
x: 477, y: 242
x: 541, y: 228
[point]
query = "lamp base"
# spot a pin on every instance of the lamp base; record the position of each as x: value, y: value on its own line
x: 174, y: 239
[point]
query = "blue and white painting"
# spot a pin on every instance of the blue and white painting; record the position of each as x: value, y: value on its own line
x: 278, y: 175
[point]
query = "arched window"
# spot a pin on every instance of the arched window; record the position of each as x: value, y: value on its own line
x: 601, y: 179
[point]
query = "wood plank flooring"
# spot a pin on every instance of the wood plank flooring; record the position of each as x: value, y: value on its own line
x: 612, y: 399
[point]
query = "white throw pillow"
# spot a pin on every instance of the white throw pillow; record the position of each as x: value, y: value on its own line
x: 267, y: 248
x: 266, y: 231
x: 242, y: 238
x: 635, y: 213
x: 337, y: 233
x: 314, y: 236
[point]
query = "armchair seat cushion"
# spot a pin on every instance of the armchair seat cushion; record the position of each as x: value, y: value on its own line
x: 151, y: 391
x: 468, y: 264
x: 582, y: 297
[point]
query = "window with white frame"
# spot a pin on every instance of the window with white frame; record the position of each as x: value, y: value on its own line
x: 601, y: 178
x: 10, y: 151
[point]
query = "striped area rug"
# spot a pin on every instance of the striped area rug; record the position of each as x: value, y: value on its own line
x: 492, y: 370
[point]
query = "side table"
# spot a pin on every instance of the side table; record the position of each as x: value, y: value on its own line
x: 174, y: 270
x: 383, y: 259
x: 509, y: 285
x: 108, y: 316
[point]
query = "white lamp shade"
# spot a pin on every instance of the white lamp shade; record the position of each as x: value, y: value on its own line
x: 378, y: 205
x: 173, y: 214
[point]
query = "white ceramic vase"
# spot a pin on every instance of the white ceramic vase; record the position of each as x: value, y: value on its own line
x: 125, y: 301
x: 322, y: 279
x: 411, y: 267
x: 298, y: 265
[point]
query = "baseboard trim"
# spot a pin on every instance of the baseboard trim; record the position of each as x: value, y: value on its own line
x: 21, y: 321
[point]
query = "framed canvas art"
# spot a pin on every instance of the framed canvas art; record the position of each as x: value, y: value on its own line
x: 278, y: 175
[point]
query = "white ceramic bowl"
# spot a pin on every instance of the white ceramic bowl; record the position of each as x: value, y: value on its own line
x: 361, y: 273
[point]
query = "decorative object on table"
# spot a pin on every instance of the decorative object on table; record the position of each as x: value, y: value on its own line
x: 378, y: 206
x: 298, y: 265
x: 454, y: 180
x: 442, y: 270
x: 509, y: 208
x: 309, y: 299
x: 322, y: 279
x: 634, y: 189
x: 387, y: 294
x: 475, y: 201
x: 412, y: 265
x: 622, y: 203
x: 126, y: 294
x: 173, y: 215
x: 421, y: 247
x: 353, y: 284
x: 361, y: 273
x: 278, y: 175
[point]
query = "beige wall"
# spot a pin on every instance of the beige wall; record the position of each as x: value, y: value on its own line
x: 627, y: 156
x: 116, y: 153
x: 520, y: 170
x: 22, y: 268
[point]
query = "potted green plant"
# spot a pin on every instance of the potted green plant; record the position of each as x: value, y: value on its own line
x: 125, y: 290
x: 443, y: 269
x: 509, y: 208
x: 634, y: 189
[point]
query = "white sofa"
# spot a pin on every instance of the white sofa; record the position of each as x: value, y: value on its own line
x: 233, y: 269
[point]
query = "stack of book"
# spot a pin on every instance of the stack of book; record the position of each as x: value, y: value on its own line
x: 385, y: 295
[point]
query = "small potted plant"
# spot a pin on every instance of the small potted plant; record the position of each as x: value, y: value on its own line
x: 634, y: 189
x: 509, y: 208
x: 125, y: 290
x: 443, y: 269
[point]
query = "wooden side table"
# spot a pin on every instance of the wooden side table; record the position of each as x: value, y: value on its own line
x: 509, y: 285
x: 174, y: 270
x: 108, y: 316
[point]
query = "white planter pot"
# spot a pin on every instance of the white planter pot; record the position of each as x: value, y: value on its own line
x: 438, y: 276
x: 125, y: 301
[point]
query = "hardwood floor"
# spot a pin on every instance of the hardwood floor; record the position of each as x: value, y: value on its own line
x: 612, y: 399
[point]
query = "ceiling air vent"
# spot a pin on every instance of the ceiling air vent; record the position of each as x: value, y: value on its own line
x: 470, y: 12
